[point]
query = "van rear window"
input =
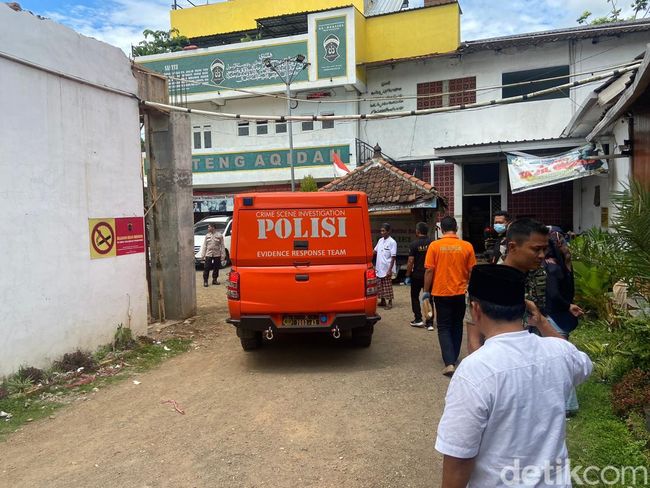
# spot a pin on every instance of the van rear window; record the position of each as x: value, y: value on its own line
x: 290, y: 236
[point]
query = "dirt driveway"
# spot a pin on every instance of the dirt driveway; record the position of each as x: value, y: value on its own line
x: 300, y: 412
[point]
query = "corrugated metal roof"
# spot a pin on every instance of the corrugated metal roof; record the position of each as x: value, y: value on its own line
x: 378, y: 7
x: 507, y: 145
x: 582, y: 32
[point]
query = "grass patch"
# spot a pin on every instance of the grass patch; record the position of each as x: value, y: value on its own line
x: 26, y: 405
x: 597, y: 437
x: 24, y: 410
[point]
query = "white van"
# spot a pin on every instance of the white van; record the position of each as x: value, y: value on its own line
x: 224, y: 225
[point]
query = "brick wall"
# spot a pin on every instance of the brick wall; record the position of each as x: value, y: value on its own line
x: 443, y: 181
x: 551, y: 205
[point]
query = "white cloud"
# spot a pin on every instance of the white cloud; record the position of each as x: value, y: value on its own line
x: 497, y: 18
x: 117, y: 22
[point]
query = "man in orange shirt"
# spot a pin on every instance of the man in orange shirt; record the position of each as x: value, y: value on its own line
x: 448, y: 264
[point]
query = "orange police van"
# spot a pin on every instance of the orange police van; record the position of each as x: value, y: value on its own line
x: 302, y: 262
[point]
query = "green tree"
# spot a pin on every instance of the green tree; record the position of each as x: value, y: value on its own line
x: 639, y: 7
x: 158, y: 42
x: 308, y: 183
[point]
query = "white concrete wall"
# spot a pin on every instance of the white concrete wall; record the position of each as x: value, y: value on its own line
x: 68, y: 152
x: 415, y: 137
x: 225, y: 138
x: 585, y: 214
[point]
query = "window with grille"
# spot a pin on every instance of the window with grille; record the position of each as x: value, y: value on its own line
x: 327, y: 124
x: 446, y: 93
x: 262, y: 127
x: 308, y: 125
x: 243, y: 128
x: 280, y: 127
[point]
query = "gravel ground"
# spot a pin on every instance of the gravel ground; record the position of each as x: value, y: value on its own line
x: 304, y: 411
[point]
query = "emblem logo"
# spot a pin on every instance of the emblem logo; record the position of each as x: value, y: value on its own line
x: 331, y: 45
x: 217, y: 68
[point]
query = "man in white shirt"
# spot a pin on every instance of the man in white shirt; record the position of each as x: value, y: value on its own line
x: 504, y: 419
x: 386, y: 253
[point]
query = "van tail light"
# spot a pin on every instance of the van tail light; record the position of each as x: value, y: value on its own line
x: 232, y: 285
x: 371, y: 283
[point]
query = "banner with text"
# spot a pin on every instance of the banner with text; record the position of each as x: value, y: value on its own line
x: 238, y: 68
x: 213, y: 203
x: 311, y: 156
x: 331, y: 47
x: 528, y: 172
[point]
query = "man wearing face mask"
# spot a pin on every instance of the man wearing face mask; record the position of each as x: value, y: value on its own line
x: 496, y: 244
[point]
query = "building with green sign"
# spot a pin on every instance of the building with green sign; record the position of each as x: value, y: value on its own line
x: 226, y: 72
x: 399, y: 57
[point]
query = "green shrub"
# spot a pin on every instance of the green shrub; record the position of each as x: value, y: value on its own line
x: 30, y: 373
x: 308, y: 183
x: 636, y: 341
x: 632, y: 224
x: 123, y: 339
x: 15, y: 385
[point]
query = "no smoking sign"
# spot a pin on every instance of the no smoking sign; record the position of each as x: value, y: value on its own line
x: 110, y: 237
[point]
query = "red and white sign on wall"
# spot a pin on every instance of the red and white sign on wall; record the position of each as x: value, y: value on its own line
x: 119, y: 236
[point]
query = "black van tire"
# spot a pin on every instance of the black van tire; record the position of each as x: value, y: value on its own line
x: 362, y: 336
x: 251, y: 343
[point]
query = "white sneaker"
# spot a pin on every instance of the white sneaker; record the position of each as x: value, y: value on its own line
x: 431, y: 327
x: 415, y: 323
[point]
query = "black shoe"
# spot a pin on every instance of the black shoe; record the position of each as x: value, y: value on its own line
x: 382, y: 303
x: 205, y: 283
x: 215, y: 282
x: 417, y: 323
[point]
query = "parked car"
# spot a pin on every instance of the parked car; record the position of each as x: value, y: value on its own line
x: 302, y: 262
x: 224, y: 225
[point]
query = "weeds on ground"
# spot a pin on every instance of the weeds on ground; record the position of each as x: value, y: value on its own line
x: 597, y: 437
x: 32, y: 394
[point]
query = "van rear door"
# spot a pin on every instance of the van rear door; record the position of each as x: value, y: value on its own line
x: 309, y: 258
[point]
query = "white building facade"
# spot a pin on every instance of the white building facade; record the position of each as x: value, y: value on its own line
x: 462, y: 152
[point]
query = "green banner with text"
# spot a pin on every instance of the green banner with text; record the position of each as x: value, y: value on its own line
x: 331, y: 47
x: 310, y: 156
x: 239, y: 68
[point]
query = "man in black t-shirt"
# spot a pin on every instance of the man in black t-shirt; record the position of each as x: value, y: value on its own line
x: 415, y: 271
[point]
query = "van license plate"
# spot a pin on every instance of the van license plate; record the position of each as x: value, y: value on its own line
x: 300, y: 321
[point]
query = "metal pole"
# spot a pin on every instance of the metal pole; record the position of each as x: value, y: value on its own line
x: 289, y: 128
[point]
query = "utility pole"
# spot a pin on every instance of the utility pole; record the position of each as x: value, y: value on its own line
x: 292, y: 66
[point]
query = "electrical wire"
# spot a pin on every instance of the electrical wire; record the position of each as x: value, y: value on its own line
x: 391, y: 115
x: 404, y: 97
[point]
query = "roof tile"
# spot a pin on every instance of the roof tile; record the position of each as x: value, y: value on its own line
x: 384, y: 183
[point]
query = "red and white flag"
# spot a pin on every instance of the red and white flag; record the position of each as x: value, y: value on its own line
x: 340, y: 169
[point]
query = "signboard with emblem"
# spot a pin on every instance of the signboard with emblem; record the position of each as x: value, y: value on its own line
x: 331, y: 47
x: 223, y: 70
x: 110, y: 237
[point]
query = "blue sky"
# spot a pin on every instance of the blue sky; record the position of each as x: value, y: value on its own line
x: 121, y: 22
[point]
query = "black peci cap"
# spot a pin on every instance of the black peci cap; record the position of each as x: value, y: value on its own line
x: 498, y: 284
